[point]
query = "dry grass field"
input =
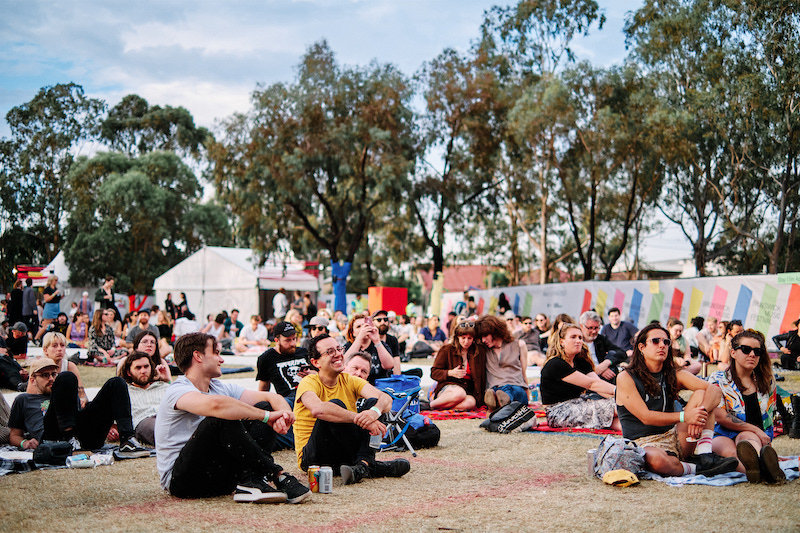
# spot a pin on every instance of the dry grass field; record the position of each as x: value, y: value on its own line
x: 473, y: 481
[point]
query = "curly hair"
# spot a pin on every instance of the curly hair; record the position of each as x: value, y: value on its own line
x: 464, y: 328
x: 762, y: 373
x: 491, y: 325
x: 638, y: 367
x: 350, y: 335
x: 557, y: 350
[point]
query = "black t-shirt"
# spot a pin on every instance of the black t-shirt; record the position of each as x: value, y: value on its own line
x: 393, y: 345
x: 553, y: 387
x: 281, y: 370
x: 54, y: 299
x: 27, y: 414
x: 376, y: 371
x: 17, y: 346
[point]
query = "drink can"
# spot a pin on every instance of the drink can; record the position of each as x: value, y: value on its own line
x: 313, y: 478
x: 590, y: 457
x: 326, y: 479
x: 80, y: 461
x: 103, y: 459
x: 375, y: 441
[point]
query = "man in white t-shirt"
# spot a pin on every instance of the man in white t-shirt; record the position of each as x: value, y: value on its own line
x: 252, y: 336
x: 146, y: 388
x: 280, y: 304
x: 214, y: 437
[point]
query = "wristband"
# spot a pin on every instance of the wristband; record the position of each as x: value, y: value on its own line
x: 266, y: 417
x: 377, y: 411
x: 681, y: 418
x: 22, y: 444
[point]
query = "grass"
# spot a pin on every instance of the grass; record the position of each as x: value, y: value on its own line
x: 473, y: 481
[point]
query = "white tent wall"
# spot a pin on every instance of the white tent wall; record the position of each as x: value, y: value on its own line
x: 211, y: 283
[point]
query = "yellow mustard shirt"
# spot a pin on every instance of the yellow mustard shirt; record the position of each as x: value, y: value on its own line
x: 347, y: 389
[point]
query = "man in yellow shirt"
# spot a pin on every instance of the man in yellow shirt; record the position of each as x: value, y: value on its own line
x: 329, y: 430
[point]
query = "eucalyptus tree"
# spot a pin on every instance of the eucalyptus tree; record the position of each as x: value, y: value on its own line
x: 313, y: 159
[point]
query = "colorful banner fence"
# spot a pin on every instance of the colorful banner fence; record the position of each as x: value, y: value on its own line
x: 767, y: 303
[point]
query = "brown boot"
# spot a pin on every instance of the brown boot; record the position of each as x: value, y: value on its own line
x: 490, y: 400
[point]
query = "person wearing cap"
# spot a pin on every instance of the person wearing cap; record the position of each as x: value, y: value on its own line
x: 282, y: 367
x: 142, y: 324
x: 49, y: 411
x: 316, y: 326
x: 381, y: 320
x: 17, y: 341
x: 330, y: 430
x: 214, y: 437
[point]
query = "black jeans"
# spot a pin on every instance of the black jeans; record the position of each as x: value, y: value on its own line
x: 335, y: 444
x: 90, y: 425
x: 9, y: 373
x: 221, y: 454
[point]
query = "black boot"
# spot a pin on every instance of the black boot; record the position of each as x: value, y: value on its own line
x: 794, y: 432
x: 786, y: 418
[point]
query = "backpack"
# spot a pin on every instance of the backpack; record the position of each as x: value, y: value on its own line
x: 510, y: 418
x: 615, y: 453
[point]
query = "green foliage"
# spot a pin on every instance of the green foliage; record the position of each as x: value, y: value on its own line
x: 136, y: 218
x: 134, y: 127
x: 314, y: 160
x: 36, y: 159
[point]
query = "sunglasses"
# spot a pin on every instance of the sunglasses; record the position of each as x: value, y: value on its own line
x: 655, y: 341
x: 380, y: 319
x: 317, y: 327
x: 749, y: 349
x: 47, y: 375
x: 465, y: 325
x: 527, y: 323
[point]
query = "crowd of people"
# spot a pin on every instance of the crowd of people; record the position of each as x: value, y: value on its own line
x: 316, y: 393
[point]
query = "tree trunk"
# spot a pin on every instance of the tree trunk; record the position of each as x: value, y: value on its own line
x: 543, y: 270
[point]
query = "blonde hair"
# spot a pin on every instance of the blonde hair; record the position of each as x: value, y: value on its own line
x: 50, y: 338
x: 51, y: 279
x: 555, y: 349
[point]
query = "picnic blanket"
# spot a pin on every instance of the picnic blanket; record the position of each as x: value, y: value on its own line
x: 237, y: 370
x: 787, y: 464
x: 450, y: 414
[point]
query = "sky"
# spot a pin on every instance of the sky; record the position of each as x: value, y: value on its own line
x: 209, y: 56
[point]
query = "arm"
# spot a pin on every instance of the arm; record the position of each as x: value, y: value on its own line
x: 591, y: 382
x: 17, y: 436
x: 264, y: 385
x: 387, y: 360
x: 730, y: 421
x: 277, y: 401
x: 523, y: 360
x: 782, y: 337
x: 163, y: 373
x: 628, y: 396
x: 440, y: 369
x: 228, y: 408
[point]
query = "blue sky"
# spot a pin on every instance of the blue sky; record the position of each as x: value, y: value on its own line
x: 209, y: 56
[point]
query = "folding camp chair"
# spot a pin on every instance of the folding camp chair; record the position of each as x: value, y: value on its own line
x: 396, y: 426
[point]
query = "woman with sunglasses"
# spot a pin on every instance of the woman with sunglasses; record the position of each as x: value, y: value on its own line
x: 459, y: 371
x: 363, y: 336
x: 572, y: 393
x: 744, y: 425
x: 676, y: 442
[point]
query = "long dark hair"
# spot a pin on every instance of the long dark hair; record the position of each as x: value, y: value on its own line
x: 638, y: 367
x: 762, y: 373
x: 156, y: 358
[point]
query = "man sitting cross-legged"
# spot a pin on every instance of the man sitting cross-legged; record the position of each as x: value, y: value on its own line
x: 329, y: 430
x: 49, y: 411
x: 214, y: 437
x: 146, y: 387
x: 676, y: 442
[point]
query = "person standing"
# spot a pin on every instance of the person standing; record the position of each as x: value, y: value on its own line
x: 52, y: 305
x: 280, y: 304
x: 16, y: 302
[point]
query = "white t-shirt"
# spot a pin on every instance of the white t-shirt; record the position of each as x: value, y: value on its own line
x: 175, y: 427
x: 259, y: 334
x: 279, y: 305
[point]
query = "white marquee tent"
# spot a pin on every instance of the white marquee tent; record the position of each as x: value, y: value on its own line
x: 216, y: 278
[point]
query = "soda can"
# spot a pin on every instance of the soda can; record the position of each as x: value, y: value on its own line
x: 313, y: 478
x: 80, y: 461
x: 590, y: 457
x: 103, y: 459
x: 326, y: 479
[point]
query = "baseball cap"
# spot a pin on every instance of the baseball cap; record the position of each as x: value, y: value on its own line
x: 41, y: 364
x: 19, y: 326
x: 285, y: 329
x: 319, y: 321
x: 380, y: 312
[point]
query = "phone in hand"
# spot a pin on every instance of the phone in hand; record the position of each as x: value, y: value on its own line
x: 368, y: 321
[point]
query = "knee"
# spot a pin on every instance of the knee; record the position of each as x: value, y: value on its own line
x: 713, y: 395
x: 66, y: 379
x: 264, y: 405
x: 338, y: 402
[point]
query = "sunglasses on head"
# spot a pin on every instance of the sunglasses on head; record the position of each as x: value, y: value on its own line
x: 655, y: 341
x: 748, y: 349
x: 465, y: 325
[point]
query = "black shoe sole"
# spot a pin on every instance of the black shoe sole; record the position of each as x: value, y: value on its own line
x: 770, y: 467
x: 749, y: 459
x: 729, y: 464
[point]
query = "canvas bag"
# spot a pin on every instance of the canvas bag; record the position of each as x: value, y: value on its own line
x: 615, y: 453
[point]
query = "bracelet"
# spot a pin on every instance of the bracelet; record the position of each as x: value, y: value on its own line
x: 681, y: 418
x: 266, y: 417
x: 377, y: 411
x: 22, y: 444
